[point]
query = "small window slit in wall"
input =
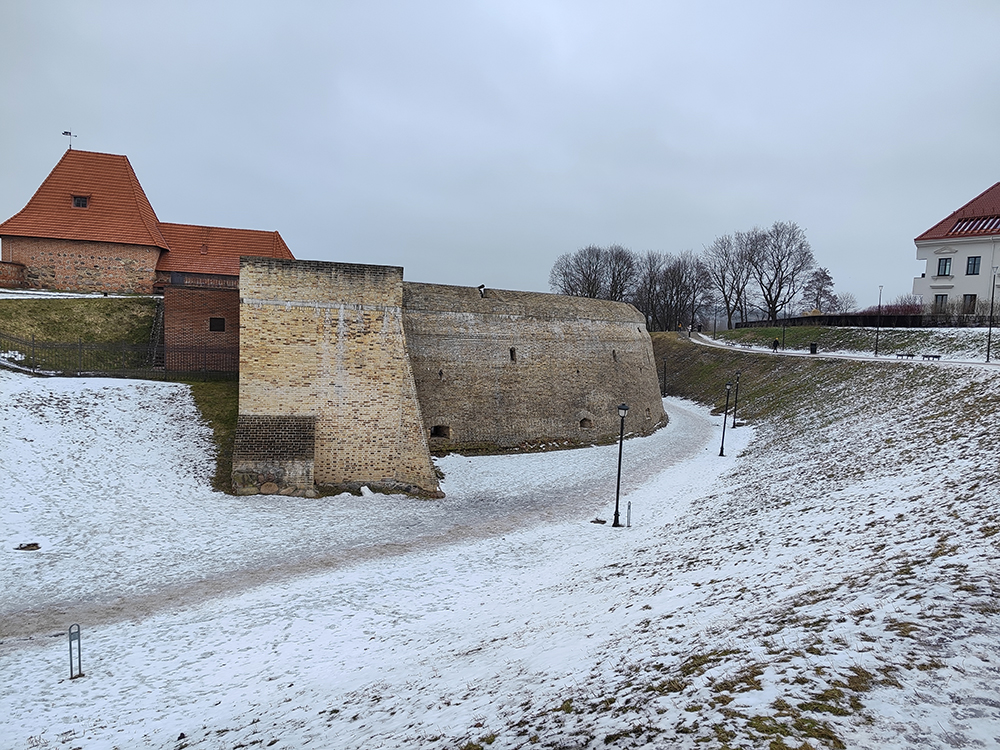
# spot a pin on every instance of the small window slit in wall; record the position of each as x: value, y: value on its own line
x: 614, y: 355
x: 441, y: 431
x: 513, y: 354
x: 586, y: 424
x: 440, y: 374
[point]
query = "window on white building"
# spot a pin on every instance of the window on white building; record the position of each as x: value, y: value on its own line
x: 940, y: 302
x: 968, y: 304
x: 972, y: 265
x: 944, y: 267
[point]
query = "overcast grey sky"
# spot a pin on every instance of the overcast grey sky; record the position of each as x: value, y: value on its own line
x: 474, y: 142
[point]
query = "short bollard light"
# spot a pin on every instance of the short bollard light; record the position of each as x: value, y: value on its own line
x: 622, y: 411
x: 736, y: 397
x: 75, y: 666
x: 725, y: 418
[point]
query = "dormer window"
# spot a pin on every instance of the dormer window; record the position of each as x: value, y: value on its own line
x: 80, y: 201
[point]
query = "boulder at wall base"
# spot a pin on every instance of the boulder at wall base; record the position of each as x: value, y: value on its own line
x: 268, y: 488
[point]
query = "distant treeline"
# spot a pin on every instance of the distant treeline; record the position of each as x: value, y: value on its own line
x: 753, y: 275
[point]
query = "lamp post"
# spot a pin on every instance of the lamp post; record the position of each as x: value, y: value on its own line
x: 878, y: 321
x: 622, y: 411
x: 736, y: 398
x: 989, y: 332
x: 725, y: 418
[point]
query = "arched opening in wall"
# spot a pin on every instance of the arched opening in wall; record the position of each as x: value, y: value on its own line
x: 441, y: 431
x: 513, y: 354
x: 586, y: 424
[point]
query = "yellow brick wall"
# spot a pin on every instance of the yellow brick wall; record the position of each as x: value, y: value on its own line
x: 326, y: 340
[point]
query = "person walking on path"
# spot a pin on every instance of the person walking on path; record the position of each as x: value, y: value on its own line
x: 774, y: 346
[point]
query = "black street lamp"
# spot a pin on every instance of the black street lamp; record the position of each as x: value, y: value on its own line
x: 622, y: 411
x: 725, y: 418
x: 989, y: 332
x: 736, y: 397
x: 878, y: 321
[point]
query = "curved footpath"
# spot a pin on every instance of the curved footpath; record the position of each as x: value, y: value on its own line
x: 703, y: 340
x: 110, y: 478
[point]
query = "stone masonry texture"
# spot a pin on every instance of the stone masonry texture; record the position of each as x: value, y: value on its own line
x: 84, y: 266
x: 389, y: 368
x: 326, y: 340
x: 499, y: 368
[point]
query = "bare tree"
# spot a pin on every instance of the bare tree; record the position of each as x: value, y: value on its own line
x: 620, y: 273
x: 684, y: 291
x: 580, y: 274
x: 597, y: 272
x: 647, y: 292
x: 846, y: 302
x: 749, y: 247
x: 778, y: 265
x: 728, y: 272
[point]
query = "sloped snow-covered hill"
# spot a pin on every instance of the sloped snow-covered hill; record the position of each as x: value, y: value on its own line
x: 830, y: 582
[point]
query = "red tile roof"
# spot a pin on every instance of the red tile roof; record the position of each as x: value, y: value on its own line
x: 978, y: 217
x: 195, y: 249
x: 117, y: 208
x: 118, y: 211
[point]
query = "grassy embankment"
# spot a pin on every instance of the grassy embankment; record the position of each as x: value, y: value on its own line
x: 770, y: 386
x: 956, y: 343
x: 103, y: 320
x: 124, y: 320
x: 837, y: 589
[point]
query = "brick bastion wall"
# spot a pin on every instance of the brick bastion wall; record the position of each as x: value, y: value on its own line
x: 326, y: 392
x: 496, y: 368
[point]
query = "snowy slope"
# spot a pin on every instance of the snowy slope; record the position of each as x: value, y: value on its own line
x: 830, y: 581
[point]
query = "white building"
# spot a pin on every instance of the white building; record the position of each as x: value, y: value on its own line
x: 962, y: 258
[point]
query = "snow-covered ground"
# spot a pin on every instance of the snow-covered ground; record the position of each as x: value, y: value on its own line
x: 966, y: 345
x: 830, y: 580
x: 45, y: 294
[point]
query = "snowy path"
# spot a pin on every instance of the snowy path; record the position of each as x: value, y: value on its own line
x: 831, y: 582
x: 437, y: 626
x: 110, y: 477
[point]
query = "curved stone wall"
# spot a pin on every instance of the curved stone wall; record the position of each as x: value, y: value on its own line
x: 500, y: 368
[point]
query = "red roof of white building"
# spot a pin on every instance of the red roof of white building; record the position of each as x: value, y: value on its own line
x: 980, y: 216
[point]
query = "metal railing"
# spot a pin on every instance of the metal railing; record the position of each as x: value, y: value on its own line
x: 118, y: 360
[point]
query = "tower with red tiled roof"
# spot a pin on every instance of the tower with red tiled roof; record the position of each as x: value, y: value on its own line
x: 962, y: 258
x: 88, y: 227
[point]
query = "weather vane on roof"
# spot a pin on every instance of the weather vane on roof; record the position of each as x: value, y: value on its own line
x: 71, y: 137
